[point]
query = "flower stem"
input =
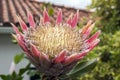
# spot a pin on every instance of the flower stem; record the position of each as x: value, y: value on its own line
x: 46, y: 77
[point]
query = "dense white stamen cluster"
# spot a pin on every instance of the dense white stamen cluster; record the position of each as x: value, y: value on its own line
x: 51, y: 40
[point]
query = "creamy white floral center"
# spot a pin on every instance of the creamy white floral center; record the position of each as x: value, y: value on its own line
x: 51, y: 40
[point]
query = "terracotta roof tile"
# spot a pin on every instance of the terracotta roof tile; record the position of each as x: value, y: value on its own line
x: 10, y: 8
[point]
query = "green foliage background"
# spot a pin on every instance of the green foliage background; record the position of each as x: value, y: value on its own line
x: 108, y: 14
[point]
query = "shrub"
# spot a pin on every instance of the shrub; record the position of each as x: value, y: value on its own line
x: 109, y: 13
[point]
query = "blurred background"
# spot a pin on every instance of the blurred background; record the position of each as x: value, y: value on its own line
x: 106, y: 14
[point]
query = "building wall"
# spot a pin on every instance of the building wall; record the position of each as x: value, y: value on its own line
x: 7, y: 52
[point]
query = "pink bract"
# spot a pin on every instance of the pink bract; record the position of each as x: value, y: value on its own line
x: 55, y: 62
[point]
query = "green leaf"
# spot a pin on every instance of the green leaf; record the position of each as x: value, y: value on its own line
x: 82, y: 68
x: 23, y: 70
x: 51, y: 11
x: 18, y: 58
x: 14, y: 74
x: 5, y: 77
x: 14, y: 41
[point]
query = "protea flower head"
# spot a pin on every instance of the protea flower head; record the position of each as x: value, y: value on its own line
x: 54, y: 49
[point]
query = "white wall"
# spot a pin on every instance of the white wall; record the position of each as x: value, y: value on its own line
x: 7, y: 52
x: 78, y: 4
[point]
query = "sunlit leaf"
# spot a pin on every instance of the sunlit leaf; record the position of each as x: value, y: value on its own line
x: 83, y: 68
x: 18, y: 58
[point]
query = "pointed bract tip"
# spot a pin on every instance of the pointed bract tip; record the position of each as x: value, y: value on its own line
x: 86, y: 27
x: 71, y: 58
x: 22, y: 24
x: 59, y: 17
x: 77, y: 13
x: 34, y: 50
x: 31, y: 19
x: 61, y: 56
x: 82, y: 54
x: 45, y: 16
x: 92, y: 25
x: 45, y: 9
x: 93, y: 37
x: 15, y: 28
x: 75, y: 20
x: 14, y: 36
x: 88, y: 31
x: 44, y: 57
x: 12, y: 24
x: 69, y: 21
x: 94, y: 43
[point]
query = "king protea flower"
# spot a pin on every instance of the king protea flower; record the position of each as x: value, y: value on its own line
x: 54, y: 49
